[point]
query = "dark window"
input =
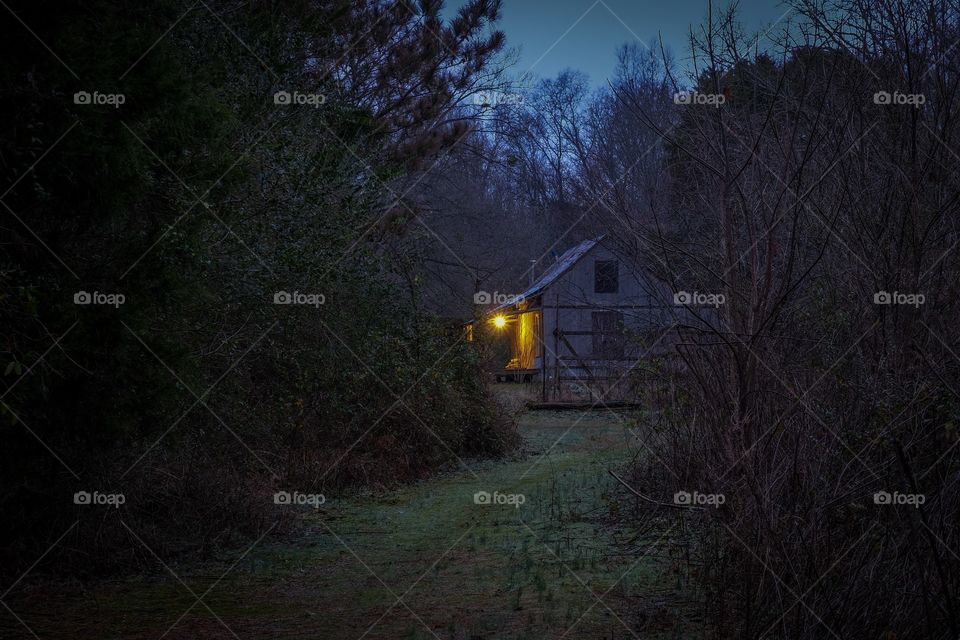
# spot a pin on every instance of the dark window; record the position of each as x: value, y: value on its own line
x: 608, y: 339
x: 606, y: 276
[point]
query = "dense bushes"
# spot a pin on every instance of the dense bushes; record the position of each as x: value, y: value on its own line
x: 823, y: 403
x: 199, y: 199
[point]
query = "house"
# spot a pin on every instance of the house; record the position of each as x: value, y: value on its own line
x: 582, y: 326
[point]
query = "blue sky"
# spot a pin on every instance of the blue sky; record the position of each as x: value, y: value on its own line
x: 595, y: 28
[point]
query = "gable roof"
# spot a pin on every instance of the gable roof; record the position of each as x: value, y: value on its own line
x: 563, y: 264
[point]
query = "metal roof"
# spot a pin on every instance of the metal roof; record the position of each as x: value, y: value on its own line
x: 557, y: 269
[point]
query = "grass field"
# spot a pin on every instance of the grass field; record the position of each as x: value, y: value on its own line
x: 425, y: 561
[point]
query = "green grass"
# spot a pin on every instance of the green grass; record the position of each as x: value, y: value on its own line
x: 464, y: 570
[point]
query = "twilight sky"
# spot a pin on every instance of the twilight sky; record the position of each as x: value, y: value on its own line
x: 595, y: 28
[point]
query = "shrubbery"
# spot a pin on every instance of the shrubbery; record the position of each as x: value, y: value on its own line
x: 199, y: 199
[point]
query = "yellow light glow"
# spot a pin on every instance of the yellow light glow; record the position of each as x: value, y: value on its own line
x: 499, y: 322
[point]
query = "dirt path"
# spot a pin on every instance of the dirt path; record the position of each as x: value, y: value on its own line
x: 422, y: 562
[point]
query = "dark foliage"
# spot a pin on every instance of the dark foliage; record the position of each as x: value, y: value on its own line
x: 199, y: 199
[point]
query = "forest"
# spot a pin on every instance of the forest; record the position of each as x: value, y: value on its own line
x: 251, y: 368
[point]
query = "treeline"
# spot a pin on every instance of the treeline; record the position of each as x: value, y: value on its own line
x: 209, y: 290
x: 822, y: 200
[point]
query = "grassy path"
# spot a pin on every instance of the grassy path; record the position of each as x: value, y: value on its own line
x: 422, y: 562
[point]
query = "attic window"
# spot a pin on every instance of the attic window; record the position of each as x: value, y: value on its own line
x: 606, y: 276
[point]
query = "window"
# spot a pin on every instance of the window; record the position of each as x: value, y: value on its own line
x: 607, y: 332
x: 606, y: 276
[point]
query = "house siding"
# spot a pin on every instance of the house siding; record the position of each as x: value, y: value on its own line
x: 570, y: 302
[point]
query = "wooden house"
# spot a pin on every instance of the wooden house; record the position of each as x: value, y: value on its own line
x: 582, y: 326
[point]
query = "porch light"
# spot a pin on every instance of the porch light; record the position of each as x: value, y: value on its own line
x: 499, y: 321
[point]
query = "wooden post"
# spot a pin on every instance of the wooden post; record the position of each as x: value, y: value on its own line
x: 543, y: 355
x: 556, y: 349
